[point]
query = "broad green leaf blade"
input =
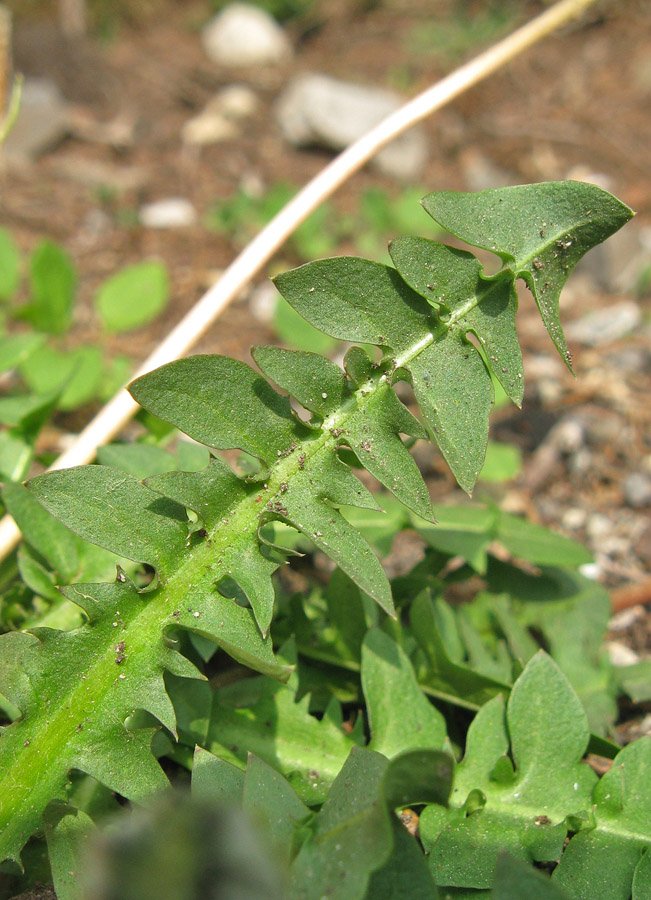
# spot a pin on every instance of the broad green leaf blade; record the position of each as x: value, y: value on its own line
x: 215, y: 780
x: 133, y: 296
x: 451, y: 280
x: 465, y: 531
x: 516, y: 881
x: 405, y: 874
x: 455, y: 394
x: 116, y: 511
x: 221, y: 403
x: 16, y: 348
x: 271, y: 800
x: 357, y: 300
x: 296, y: 332
x: 400, y: 716
x: 263, y: 717
x: 444, y: 677
x: 373, y: 433
x: 602, y: 862
x: 53, y: 283
x: 352, y: 835
x: 310, y: 503
x: 539, y: 545
x: 53, y: 541
x: 495, y: 808
x: 139, y: 460
x: 540, y: 231
x: 503, y: 462
x: 318, y: 384
x: 65, y: 830
x: 416, y: 777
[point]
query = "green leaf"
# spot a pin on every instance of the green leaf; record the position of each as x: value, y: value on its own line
x: 296, y: 332
x: 76, y: 375
x: 53, y: 282
x: 451, y: 281
x: 16, y: 348
x: 352, y: 835
x: 65, y: 829
x: 120, y: 514
x: 540, y: 231
x: 602, y: 861
x: 264, y: 717
x: 401, y: 718
x: 9, y: 266
x: 354, y: 299
x: 494, y: 807
x: 133, y: 297
x: 215, y: 779
x: 248, y: 415
x: 503, y: 462
x: 465, y: 531
x: 443, y: 676
x: 539, y: 545
x: 270, y: 799
x: 54, y: 542
x: 405, y: 874
x: 514, y: 881
x: 139, y: 460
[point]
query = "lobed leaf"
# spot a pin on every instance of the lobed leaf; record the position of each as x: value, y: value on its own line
x: 608, y: 859
x: 498, y: 806
x: 540, y: 231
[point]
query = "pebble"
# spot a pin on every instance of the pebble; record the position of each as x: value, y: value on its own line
x: 623, y: 620
x: 637, y: 490
x: 173, y: 212
x: 42, y: 121
x: 317, y: 110
x: 620, y: 654
x: 599, y: 526
x: 245, y: 35
x: 218, y: 119
x: 263, y: 300
x: 574, y: 518
x: 606, y: 325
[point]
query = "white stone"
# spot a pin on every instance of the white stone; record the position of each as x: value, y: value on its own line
x: 173, y: 212
x: 42, y: 121
x: 208, y: 129
x: 245, y: 35
x: 323, y: 111
x: 217, y: 121
x: 621, y: 655
x: 263, y: 301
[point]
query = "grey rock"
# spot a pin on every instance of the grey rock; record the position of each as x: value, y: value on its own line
x: 174, y: 212
x: 617, y: 265
x: 42, y: 121
x: 316, y: 110
x: 637, y: 490
x: 245, y: 35
x: 606, y: 325
x: 481, y: 173
x: 630, y: 360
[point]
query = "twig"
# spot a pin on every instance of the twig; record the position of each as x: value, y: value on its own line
x: 110, y: 420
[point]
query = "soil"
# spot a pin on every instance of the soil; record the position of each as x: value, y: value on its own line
x: 575, y: 106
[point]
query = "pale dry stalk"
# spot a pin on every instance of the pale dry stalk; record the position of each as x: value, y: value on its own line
x: 111, y: 419
x: 5, y: 58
